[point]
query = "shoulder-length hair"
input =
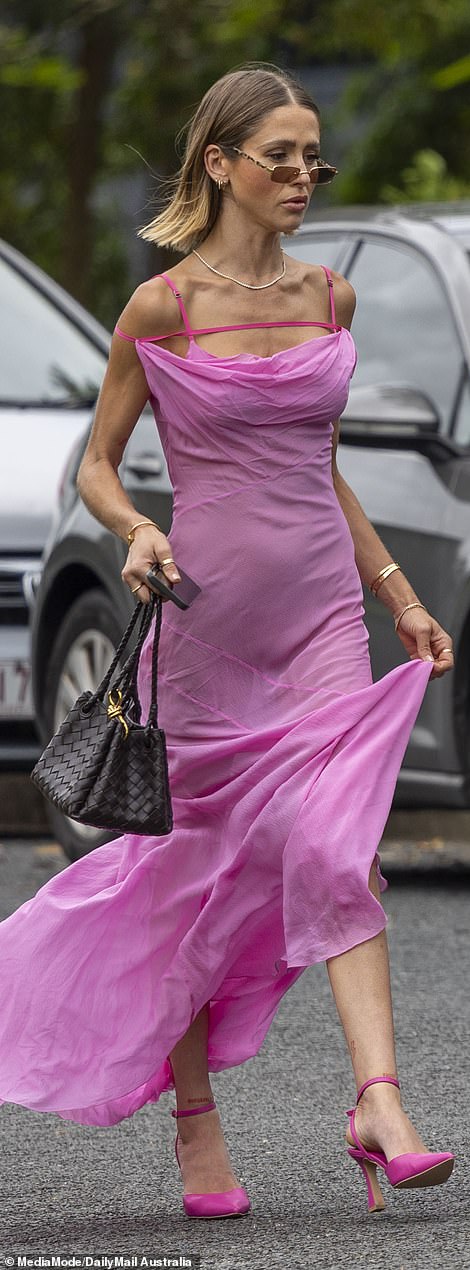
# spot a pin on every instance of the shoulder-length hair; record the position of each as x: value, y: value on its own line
x: 230, y: 111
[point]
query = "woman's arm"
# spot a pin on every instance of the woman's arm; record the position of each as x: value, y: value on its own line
x: 123, y: 395
x: 371, y: 554
x: 421, y: 634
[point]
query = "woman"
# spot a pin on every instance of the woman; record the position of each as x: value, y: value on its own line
x: 159, y: 960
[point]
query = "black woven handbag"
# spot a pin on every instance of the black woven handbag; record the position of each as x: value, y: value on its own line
x: 102, y: 767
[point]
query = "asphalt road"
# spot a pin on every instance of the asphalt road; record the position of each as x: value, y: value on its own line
x: 67, y: 1189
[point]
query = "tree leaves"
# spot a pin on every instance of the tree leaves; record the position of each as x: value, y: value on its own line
x: 94, y: 93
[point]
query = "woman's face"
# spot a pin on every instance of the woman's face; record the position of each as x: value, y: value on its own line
x: 289, y: 135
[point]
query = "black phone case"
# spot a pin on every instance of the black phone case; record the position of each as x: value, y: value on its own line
x: 162, y: 588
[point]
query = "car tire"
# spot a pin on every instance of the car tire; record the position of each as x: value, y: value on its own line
x: 82, y: 651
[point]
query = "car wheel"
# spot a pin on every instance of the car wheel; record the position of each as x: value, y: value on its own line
x: 81, y: 653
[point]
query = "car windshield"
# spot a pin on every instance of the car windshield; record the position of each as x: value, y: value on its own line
x: 44, y: 359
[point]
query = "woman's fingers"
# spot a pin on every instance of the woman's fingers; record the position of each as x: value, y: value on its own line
x: 442, y: 650
x: 141, y: 593
x: 149, y: 550
x: 170, y: 569
x: 443, y: 661
x: 425, y: 639
x: 423, y: 645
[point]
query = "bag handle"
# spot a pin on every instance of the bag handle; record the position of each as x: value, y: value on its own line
x: 132, y: 697
x: 130, y: 671
x: 128, y: 675
x: 127, y: 678
x: 152, y: 721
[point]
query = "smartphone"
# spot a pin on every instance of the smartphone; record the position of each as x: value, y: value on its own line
x: 184, y: 592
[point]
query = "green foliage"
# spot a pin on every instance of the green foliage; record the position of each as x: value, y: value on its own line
x: 457, y: 73
x: 35, y: 91
x: 93, y: 92
x: 67, y: 131
x: 425, y: 179
x: 413, y: 88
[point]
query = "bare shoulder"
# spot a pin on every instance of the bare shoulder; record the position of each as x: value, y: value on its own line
x: 344, y: 296
x: 151, y: 310
x: 344, y: 293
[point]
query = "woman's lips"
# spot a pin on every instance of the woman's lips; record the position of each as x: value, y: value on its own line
x: 295, y: 202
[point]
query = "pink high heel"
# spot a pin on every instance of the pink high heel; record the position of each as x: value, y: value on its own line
x: 409, y: 1170
x: 215, y: 1203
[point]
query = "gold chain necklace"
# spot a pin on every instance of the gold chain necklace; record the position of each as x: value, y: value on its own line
x: 251, y: 287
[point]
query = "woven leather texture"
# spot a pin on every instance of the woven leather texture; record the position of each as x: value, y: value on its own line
x: 99, y: 776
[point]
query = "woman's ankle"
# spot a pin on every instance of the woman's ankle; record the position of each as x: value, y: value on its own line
x: 191, y: 1091
x: 194, y: 1128
x: 190, y: 1102
x: 384, y: 1081
x: 380, y: 1103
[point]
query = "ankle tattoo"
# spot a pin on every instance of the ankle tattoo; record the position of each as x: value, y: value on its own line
x: 207, y: 1098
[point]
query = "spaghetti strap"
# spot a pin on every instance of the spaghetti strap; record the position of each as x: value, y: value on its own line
x: 209, y: 330
x: 332, y: 299
x: 179, y: 299
x: 117, y: 331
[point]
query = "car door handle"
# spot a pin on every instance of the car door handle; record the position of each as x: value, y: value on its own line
x: 145, y: 465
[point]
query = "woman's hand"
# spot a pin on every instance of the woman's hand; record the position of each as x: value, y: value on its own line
x: 149, y: 548
x: 426, y: 640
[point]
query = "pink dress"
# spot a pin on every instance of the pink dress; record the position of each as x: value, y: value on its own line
x: 283, y: 757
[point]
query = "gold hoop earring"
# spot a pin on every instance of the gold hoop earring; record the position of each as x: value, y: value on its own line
x: 221, y: 184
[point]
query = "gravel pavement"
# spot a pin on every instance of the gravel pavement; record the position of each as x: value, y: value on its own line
x: 68, y: 1189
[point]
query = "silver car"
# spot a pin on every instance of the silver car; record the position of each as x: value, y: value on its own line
x: 405, y: 451
x: 406, y: 448
x: 52, y: 359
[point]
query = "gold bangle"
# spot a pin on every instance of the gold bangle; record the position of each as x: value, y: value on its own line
x: 416, y: 605
x: 384, y: 573
x: 131, y: 534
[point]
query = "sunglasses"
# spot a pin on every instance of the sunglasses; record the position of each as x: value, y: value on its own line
x: 320, y: 174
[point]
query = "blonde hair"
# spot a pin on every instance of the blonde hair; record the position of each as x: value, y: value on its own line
x: 229, y: 112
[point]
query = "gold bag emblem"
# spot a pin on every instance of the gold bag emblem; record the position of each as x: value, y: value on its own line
x: 115, y: 709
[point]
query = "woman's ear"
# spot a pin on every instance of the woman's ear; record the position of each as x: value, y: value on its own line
x: 215, y: 163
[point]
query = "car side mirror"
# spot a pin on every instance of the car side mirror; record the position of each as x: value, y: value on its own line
x: 396, y: 409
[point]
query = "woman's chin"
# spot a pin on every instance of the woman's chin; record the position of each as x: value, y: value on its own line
x: 292, y: 219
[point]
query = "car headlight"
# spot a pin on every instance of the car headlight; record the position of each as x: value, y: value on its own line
x: 30, y: 580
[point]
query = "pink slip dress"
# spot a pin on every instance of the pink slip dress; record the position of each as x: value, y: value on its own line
x: 283, y: 755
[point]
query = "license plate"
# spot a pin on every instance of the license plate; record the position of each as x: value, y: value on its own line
x: 15, y: 690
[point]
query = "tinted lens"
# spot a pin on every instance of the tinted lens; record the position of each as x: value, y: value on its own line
x: 322, y: 175
x: 318, y: 175
x: 284, y: 175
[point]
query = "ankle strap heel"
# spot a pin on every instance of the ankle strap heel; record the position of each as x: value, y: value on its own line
x: 410, y: 1170
x: 234, y: 1203
x: 195, y: 1111
x: 376, y: 1080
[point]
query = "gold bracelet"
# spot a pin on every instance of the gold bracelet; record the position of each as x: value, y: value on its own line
x: 384, y: 573
x: 131, y: 534
x: 416, y: 605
